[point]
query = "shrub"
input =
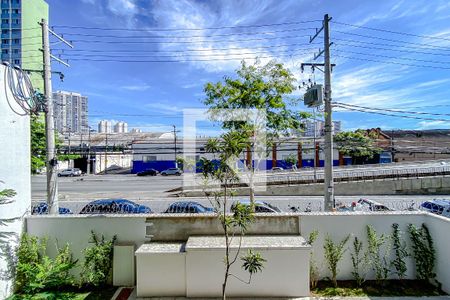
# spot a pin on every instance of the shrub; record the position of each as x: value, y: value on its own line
x: 400, y: 252
x: 359, y: 262
x: 333, y: 254
x: 313, y: 268
x: 423, y: 250
x: 378, y: 251
x: 98, y: 261
x: 36, y: 271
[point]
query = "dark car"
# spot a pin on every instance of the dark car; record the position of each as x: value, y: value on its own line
x: 188, y: 207
x: 260, y: 206
x: 148, y: 172
x: 115, y: 206
x: 42, y: 209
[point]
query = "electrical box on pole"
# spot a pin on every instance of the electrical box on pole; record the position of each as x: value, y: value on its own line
x: 314, y: 96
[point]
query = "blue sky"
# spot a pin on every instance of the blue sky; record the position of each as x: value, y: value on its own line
x: 158, y: 92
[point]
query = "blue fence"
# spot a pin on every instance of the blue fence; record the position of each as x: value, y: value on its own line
x: 161, y: 165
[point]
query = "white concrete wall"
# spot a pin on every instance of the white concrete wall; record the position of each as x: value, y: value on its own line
x: 76, y: 230
x: 439, y: 228
x: 14, y: 168
x: 111, y: 160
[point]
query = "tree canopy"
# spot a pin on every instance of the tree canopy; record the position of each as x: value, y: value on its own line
x: 356, y: 143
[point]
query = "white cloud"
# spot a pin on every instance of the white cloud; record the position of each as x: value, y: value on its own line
x: 122, y: 7
x: 140, y: 87
x: 163, y: 108
x: 434, y: 125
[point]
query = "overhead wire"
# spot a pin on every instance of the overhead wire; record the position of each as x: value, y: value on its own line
x: 391, y: 31
x: 186, y: 29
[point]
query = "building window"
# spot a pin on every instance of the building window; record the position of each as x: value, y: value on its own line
x: 5, y: 51
x: 16, y: 11
x: 5, y: 42
x: 5, y: 31
x: 17, y: 61
x: 16, y: 21
x: 16, y: 41
x: 5, y: 11
x: 16, y: 51
x: 148, y: 158
x: 5, y: 21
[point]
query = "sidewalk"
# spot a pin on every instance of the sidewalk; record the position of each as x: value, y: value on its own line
x: 132, y: 296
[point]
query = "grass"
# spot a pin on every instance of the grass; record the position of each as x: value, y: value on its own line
x: 395, y: 288
x: 105, y: 293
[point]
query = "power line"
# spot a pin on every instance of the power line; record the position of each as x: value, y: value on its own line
x: 172, y: 61
x: 187, y: 29
x: 427, y: 47
x: 391, y: 31
x: 186, y: 36
x: 69, y: 56
x: 390, y: 40
x: 396, y: 50
x: 391, y: 115
x: 394, y: 57
x: 392, y: 110
x: 391, y: 62
x: 178, y: 51
x: 189, y: 42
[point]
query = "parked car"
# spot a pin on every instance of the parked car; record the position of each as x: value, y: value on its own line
x: 364, y: 204
x: 70, y: 172
x: 277, y: 169
x: 42, y: 209
x: 115, y: 206
x: 260, y: 206
x: 148, y: 172
x: 188, y: 207
x: 437, y: 206
x: 171, y: 171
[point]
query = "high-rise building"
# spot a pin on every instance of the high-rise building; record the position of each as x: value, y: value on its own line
x: 71, y: 112
x: 21, y: 37
x: 104, y: 126
x: 121, y: 127
x: 319, y: 128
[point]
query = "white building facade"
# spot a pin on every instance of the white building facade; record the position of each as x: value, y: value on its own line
x: 104, y: 126
x: 71, y: 112
x: 121, y: 127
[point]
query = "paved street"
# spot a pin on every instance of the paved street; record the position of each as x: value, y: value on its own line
x: 75, y: 192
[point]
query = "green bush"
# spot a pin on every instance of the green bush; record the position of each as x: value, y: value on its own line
x: 400, y: 252
x: 36, y: 272
x: 313, y: 268
x: 98, y: 261
x: 359, y: 262
x: 378, y: 251
x: 423, y: 251
x: 333, y: 254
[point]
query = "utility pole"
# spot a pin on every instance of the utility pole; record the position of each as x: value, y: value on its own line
x: 51, y: 163
x: 88, y: 171
x: 329, y: 182
x: 52, y: 184
x: 175, y: 144
x: 106, y: 154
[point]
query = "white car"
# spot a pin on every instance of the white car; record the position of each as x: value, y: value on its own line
x: 171, y: 171
x: 70, y: 172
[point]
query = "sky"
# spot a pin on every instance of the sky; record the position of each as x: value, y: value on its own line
x: 196, y: 42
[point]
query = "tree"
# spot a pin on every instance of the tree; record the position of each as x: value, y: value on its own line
x: 256, y: 86
x: 38, y: 144
x: 228, y: 148
x: 291, y: 160
x: 356, y: 144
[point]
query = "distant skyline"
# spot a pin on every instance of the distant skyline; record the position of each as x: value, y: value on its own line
x: 373, y: 68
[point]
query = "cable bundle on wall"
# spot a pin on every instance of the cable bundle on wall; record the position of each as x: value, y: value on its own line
x: 21, y: 89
